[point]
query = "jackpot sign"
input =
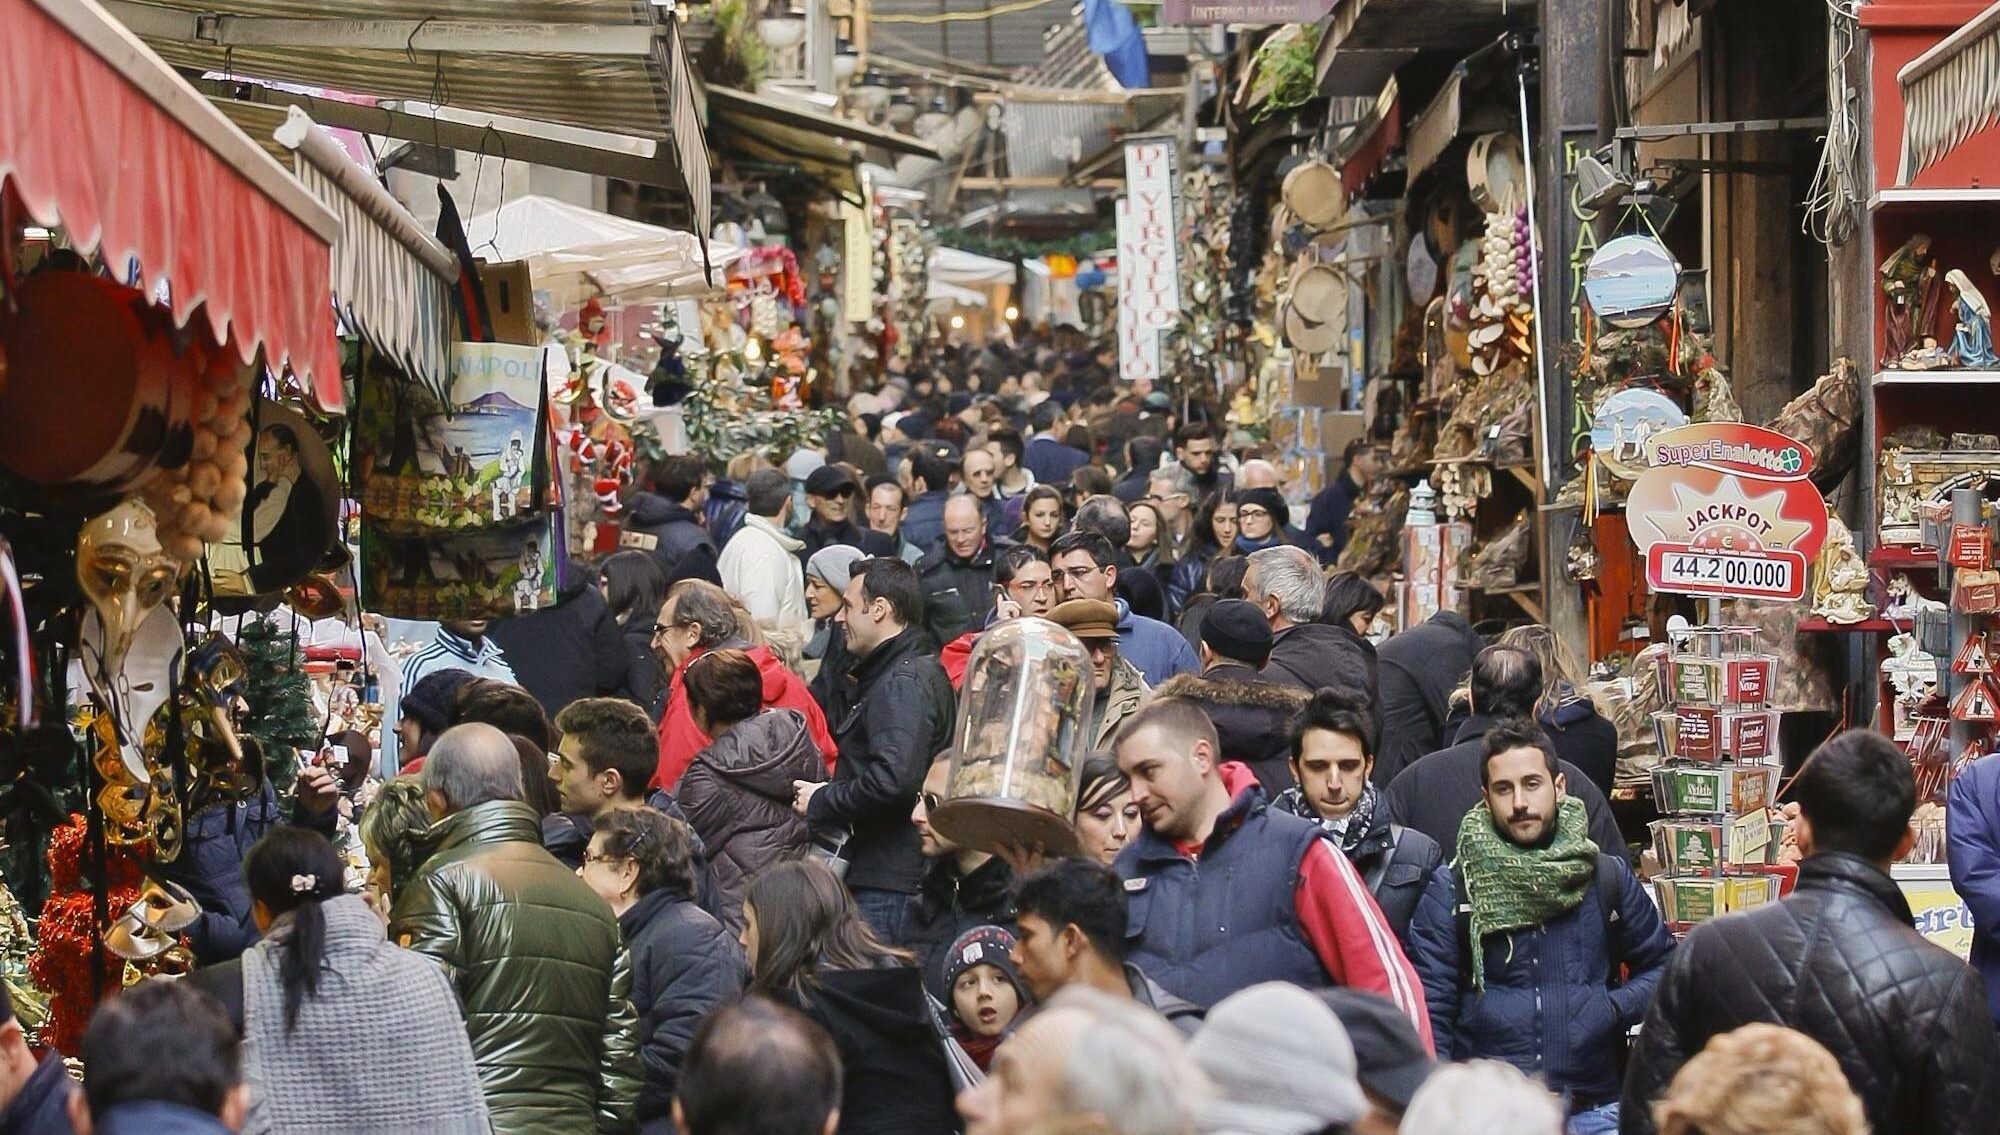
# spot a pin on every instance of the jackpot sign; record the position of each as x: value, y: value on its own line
x: 1725, y: 509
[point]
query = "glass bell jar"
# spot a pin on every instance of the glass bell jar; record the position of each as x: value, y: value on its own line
x: 1023, y: 727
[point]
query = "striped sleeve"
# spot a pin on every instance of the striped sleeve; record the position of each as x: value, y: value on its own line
x: 1354, y: 942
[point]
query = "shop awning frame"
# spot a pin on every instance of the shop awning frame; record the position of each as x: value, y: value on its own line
x: 162, y: 178
x: 1451, y: 114
x: 391, y: 279
x: 1363, y: 42
x: 731, y: 102
x: 1950, y: 93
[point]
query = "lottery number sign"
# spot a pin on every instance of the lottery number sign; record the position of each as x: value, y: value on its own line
x: 1726, y: 510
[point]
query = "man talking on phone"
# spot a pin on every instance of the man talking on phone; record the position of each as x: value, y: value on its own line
x: 1023, y: 584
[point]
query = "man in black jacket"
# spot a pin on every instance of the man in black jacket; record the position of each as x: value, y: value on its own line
x: 962, y: 889
x: 569, y: 651
x: 957, y: 576
x: 1252, y: 712
x: 902, y: 719
x: 833, y: 495
x: 668, y: 523
x: 1286, y: 584
x: 1419, y: 669
x: 1434, y: 794
x: 1839, y: 961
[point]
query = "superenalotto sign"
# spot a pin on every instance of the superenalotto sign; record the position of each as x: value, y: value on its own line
x: 1726, y: 509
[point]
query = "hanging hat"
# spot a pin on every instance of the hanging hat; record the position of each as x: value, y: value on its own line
x: 1314, y: 192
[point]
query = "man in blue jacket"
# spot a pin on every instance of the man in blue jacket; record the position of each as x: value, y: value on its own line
x: 1086, y: 567
x: 1520, y: 940
x: 1972, y: 844
x: 1048, y: 457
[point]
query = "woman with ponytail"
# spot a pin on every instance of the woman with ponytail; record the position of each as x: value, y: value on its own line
x: 334, y: 1018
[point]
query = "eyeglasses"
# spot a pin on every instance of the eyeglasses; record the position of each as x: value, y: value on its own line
x: 1039, y: 587
x: 1079, y: 574
x: 1252, y: 513
x: 1097, y: 646
x: 607, y: 857
x: 1155, y: 498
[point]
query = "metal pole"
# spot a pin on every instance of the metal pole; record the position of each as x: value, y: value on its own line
x: 1535, y: 259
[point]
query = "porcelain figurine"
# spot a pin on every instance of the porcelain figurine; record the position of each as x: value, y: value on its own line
x: 1972, y: 344
x: 1909, y: 279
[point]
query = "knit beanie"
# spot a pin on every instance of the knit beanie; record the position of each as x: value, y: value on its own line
x: 428, y: 702
x: 1271, y: 501
x: 833, y: 565
x: 1280, y: 1061
x: 985, y: 946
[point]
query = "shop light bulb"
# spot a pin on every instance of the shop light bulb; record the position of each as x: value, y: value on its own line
x: 753, y: 350
x: 957, y: 322
x: 1013, y: 313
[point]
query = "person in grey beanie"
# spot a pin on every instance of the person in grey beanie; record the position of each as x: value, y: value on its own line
x: 1280, y: 1062
x: 827, y: 573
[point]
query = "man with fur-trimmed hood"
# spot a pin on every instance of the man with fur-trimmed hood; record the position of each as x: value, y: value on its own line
x: 1252, y: 713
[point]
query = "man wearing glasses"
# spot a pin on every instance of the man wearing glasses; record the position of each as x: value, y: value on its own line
x: 1085, y: 567
x: 1022, y: 585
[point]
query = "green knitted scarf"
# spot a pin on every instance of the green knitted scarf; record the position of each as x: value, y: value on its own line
x: 1511, y: 887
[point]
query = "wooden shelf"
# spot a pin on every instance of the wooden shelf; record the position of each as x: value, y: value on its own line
x: 1940, y: 377
x: 1901, y: 556
x: 1906, y: 196
x: 1877, y: 625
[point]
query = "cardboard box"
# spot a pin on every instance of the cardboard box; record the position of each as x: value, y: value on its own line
x: 1744, y: 681
x: 1317, y: 386
x: 1705, y: 733
x: 1706, y: 847
x: 510, y: 300
x: 1726, y: 790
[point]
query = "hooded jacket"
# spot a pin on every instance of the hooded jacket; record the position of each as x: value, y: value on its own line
x: 569, y: 651
x: 728, y: 503
x: 1157, y: 649
x: 675, y: 537
x: 1419, y: 669
x: 1252, y: 714
x: 1839, y: 961
x: 1583, y: 738
x: 684, y: 967
x: 539, y: 967
x: 1121, y: 701
x: 1434, y: 794
x: 895, y: 1081
x: 1321, y: 657
x: 738, y: 797
x: 949, y: 903
x: 760, y: 567
x: 680, y: 740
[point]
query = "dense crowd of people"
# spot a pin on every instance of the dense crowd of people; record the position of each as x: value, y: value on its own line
x: 664, y: 861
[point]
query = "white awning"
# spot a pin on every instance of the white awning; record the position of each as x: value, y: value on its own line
x: 1950, y: 92
x: 576, y: 252
x: 391, y: 280
x: 969, y: 269
x: 939, y: 292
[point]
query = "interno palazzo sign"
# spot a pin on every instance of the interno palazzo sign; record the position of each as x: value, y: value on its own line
x: 1149, y: 287
x: 1726, y: 509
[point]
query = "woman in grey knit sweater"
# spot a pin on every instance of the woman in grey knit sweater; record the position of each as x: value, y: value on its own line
x: 342, y: 1032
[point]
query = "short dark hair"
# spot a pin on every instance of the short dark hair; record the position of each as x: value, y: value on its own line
x: 1105, y: 515
x: 1090, y: 480
x: 1347, y: 595
x: 886, y: 577
x: 759, y: 1068
x: 1336, y: 712
x: 881, y: 479
x: 1193, y: 431
x: 1506, y: 682
x: 1355, y: 448
x: 1045, y: 415
x: 1225, y: 575
x: 1858, y: 793
x: 282, y: 434
x: 930, y: 468
x: 766, y: 491
x: 726, y: 686
x: 676, y: 478
x: 505, y: 706
x: 662, y: 846
x: 1012, y: 559
x: 613, y: 735
x: 1142, y: 453
x: 161, y: 1042
x: 1009, y: 441
x: 1082, y: 893
x: 1101, y: 551
x: 1516, y: 733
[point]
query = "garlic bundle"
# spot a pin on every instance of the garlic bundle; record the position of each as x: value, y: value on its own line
x: 1502, y: 282
x: 197, y: 502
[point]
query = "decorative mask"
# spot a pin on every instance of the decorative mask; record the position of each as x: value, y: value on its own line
x: 125, y: 574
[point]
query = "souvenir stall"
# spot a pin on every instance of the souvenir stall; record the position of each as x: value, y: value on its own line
x: 155, y: 300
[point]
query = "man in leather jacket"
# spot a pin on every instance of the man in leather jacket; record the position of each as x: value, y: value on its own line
x: 1839, y: 961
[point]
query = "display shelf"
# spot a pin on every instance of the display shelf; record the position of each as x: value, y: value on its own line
x: 1939, y: 377
x: 1904, y: 196
x: 1902, y: 556
x: 1817, y: 625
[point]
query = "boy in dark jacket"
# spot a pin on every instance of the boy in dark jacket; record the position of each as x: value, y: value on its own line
x: 1516, y: 950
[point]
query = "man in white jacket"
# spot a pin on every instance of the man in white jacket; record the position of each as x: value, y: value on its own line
x: 760, y: 564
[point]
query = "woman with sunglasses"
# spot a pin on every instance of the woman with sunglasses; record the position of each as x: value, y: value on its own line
x: 684, y: 964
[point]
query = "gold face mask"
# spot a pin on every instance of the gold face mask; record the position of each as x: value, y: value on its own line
x: 125, y: 574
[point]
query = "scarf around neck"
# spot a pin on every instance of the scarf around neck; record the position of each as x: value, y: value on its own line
x: 1351, y: 832
x: 1511, y: 887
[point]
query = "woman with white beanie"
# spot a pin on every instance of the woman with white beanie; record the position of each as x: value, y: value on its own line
x: 1280, y: 1063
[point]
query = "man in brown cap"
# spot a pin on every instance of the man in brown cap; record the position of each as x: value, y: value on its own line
x: 1121, y: 690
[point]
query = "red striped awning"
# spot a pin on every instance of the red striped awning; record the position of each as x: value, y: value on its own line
x: 99, y: 136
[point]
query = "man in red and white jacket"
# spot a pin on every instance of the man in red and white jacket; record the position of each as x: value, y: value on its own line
x: 1226, y: 893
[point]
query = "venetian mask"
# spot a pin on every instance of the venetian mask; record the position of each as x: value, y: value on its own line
x: 125, y: 574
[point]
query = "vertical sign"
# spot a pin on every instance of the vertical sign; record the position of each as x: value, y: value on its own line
x: 1149, y: 289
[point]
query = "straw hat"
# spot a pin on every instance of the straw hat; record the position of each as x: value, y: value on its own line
x: 1314, y: 315
x: 1313, y: 191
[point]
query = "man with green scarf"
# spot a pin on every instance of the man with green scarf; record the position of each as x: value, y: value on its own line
x: 1521, y: 939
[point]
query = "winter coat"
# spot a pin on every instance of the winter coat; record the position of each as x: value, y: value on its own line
x: 1434, y: 794
x: 1839, y: 961
x: 1140, y: 588
x: 1051, y: 461
x: 1120, y: 703
x: 680, y: 739
x: 1157, y: 649
x: 1549, y: 1007
x: 1583, y: 738
x: 949, y: 903
x: 903, y: 718
x: 760, y: 567
x: 674, y: 535
x: 728, y: 503
x: 1396, y: 862
x: 154, y: 1117
x: 41, y: 1107
x: 645, y: 680
x: 1183, y: 1015
x: 958, y: 592
x: 923, y: 525
x: 1328, y: 517
x: 833, y: 687
x: 569, y: 651
x: 566, y: 835
x: 1322, y: 657
x: 684, y: 967
x: 738, y: 797
x: 539, y: 967
x: 1419, y: 669
x: 894, y: 1078
x: 1252, y: 714
x: 1972, y: 842
x: 210, y: 866
x: 816, y: 535
x: 1189, y: 577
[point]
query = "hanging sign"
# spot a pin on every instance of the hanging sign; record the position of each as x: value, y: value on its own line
x: 1726, y: 509
x: 1256, y: 13
x: 1149, y: 288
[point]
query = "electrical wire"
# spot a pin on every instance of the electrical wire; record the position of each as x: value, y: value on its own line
x: 1833, y: 201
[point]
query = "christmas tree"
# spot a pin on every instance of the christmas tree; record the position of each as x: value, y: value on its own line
x: 281, y: 715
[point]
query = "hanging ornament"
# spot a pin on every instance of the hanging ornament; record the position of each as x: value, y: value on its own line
x: 1973, y: 657
x: 1976, y: 702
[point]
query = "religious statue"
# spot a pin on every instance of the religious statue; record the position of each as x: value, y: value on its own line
x: 1972, y: 343
x: 1840, y: 588
x: 1909, y: 282
x: 1912, y: 674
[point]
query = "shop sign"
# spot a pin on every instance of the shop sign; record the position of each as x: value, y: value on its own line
x: 1935, y: 909
x: 1149, y: 289
x: 1727, y: 509
x: 1254, y: 12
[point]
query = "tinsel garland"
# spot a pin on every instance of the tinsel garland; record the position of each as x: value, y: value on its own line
x: 67, y: 933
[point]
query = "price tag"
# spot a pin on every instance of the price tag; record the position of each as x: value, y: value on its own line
x: 1689, y: 571
x: 1971, y: 547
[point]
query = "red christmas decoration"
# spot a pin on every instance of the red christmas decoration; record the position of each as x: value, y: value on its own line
x: 67, y: 934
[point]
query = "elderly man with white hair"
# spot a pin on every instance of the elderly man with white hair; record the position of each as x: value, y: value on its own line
x: 535, y: 955
x: 1287, y: 585
x: 1088, y: 1064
